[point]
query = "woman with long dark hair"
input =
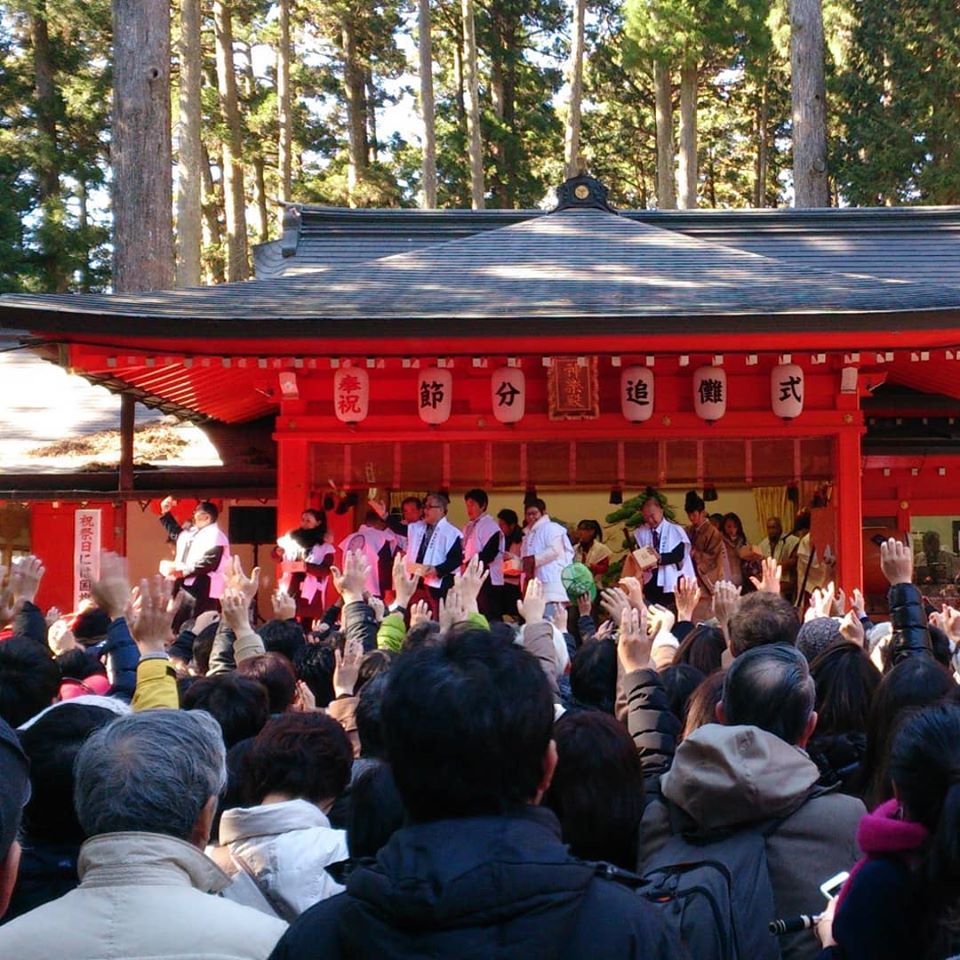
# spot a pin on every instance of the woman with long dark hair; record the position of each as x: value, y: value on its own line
x: 903, y: 898
x: 740, y: 559
x: 306, y: 555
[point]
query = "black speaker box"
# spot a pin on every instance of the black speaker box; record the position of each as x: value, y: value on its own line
x: 253, y: 524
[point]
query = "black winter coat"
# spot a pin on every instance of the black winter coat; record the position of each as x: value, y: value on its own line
x: 481, y: 887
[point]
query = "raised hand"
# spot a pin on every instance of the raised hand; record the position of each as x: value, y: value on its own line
x: 237, y: 580
x: 770, y: 576
x: 376, y: 604
x: 404, y: 582
x: 821, y: 603
x: 531, y: 608
x: 111, y: 591
x: 152, y: 620
x: 687, y: 596
x: 726, y: 599
x: 659, y: 620
x: 420, y: 612
x: 471, y: 581
x: 347, y: 667
x: 896, y: 562
x: 633, y: 645
x: 453, y: 609
x: 350, y: 581
x: 633, y: 589
x: 27, y: 574
x: 284, y: 606
x: 852, y: 629
x: 614, y: 601
x: 236, y: 610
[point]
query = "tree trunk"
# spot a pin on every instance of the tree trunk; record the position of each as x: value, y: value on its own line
x: 234, y: 199
x: 284, y: 115
x: 571, y: 140
x: 356, y: 120
x: 370, y: 104
x: 211, y: 207
x: 262, y: 230
x: 666, y: 196
x: 809, y: 101
x: 141, y: 146
x: 428, y: 198
x: 189, y: 148
x: 472, y: 97
x: 687, y: 172
x: 52, y: 254
x: 760, y: 188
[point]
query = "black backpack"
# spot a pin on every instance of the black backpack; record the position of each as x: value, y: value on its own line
x: 714, y: 893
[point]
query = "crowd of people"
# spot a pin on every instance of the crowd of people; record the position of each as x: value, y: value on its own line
x: 656, y: 775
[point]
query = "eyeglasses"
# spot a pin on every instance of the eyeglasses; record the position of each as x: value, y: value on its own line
x: 432, y: 506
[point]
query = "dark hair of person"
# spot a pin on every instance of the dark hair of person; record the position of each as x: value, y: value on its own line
x: 597, y: 789
x: 593, y: 675
x: 29, y: 679
x: 940, y: 644
x: 77, y: 664
x: 415, y: 500
x: 317, y: 515
x: 770, y: 687
x: 91, y: 626
x: 52, y: 744
x: 376, y: 811
x: 703, y: 648
x: 239, y: 704
x: 478, y: 496
x: 925, y: 766
x: 276, y: 673
x: 369, y: 716
x: 210, y: 509
x: 232, y: 796
x: 740, y: 538
x: 762, y: 618
x: 314, y: 664
x: 467, y: 724
x: 846, y: 683
x: 680, y: 680
x: 914, y: 682
x: 374, y: 663
x: 202, y: 648
x: 420, y: 635
x: 592, y: 525
x: 508, y: 516
x: 282, y: 636
x: 535, y: 502
x: 304, y: 756
x: 702, y: 704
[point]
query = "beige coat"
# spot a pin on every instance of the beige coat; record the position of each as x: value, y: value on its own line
x: 724, y: 777
x: 142, y: 895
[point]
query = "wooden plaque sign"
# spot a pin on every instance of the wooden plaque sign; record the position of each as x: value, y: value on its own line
x: 572, y: 389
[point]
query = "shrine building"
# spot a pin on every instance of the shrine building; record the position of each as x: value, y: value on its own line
x: 773, y: 358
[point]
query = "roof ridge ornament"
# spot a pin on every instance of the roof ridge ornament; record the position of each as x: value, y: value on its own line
x: 583, y: 192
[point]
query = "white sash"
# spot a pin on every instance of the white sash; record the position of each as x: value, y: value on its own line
x: 671, y: 536
x: 445, y: 535
x: 205, y: 539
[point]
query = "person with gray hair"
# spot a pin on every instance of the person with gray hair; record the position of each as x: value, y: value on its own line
x: 146, y: 790
x: 750, y: 770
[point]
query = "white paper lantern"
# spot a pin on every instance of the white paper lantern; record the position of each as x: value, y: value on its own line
x: 710, y: 392
x: 786, y: 390
x: 636, y: 393
x: 434, y: 394
x: 508, y: 394
x: 351, y: 394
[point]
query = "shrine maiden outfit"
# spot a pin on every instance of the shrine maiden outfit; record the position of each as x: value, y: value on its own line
x: 204, y: 565
x: 670, y: 540
x: 482, y: 537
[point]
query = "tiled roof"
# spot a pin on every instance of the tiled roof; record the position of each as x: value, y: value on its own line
x: 566, y: 267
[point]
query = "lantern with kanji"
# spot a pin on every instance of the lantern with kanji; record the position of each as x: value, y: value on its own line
x: 636, y: 393
x: 508, y: 394
x: 786, y: 390
x: 710, y: 392
x: 434, y: 395
x: 351, y: 394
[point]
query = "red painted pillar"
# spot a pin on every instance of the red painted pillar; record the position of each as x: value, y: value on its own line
x: 850, y: 504
x: 293, y: 481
